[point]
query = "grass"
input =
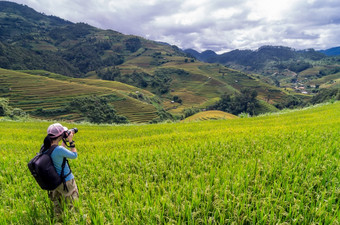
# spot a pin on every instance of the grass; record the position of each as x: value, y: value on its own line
x: 274, y: 169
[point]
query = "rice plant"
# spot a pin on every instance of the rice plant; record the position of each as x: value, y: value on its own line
x: 273, y: 169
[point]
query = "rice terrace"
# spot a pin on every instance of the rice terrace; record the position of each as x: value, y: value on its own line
x: 280, y: 168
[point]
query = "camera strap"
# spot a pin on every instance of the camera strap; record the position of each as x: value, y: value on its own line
x: 65, y: 142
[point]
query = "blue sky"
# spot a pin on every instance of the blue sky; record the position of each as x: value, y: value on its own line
x: 219, y: 25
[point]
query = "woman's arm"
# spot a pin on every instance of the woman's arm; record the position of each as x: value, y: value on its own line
x: 73, y: 147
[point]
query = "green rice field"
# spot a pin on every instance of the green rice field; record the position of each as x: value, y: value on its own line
x: 274, y: 169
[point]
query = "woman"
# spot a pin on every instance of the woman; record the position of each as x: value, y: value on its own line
x: 66, y: 191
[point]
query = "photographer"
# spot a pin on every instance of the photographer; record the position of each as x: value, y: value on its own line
x: 67, y: 191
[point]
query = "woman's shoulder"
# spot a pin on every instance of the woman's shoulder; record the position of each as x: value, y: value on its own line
x: 59, y: 149
x: 64, y: 152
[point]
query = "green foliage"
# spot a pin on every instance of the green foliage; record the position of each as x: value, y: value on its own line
x: 5, y: 109
x: 97, y: 110
x: 290, y: 101
x: 326, y: 95
x: 190, y: 111
x: 70, y: 32
x: 109, y: 74
x: 159, y: 83
x: 51, y: 112
x: 299, y: 66
x: 141, y: 97
x: 87, y: 57
x: 18, y: 113
x: 163, y: 77
x: 245, y: 102
x: 138, y: 79
x: 177, y: 99
x: 244, y: 115
x: 133, y: 44
x: 328, y: 71
x: 20, y: 58
x: 163, y: 116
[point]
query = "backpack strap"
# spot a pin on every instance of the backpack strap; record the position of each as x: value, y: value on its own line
x: 50, y: 150
x: 62, y: 172
x: 62, y: 176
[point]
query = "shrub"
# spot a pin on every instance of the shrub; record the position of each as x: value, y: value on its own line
x: 190, y: 111
x: 245, y: 102
x: 97, y: 110
x: 325, y: 95
x: 5, y: 109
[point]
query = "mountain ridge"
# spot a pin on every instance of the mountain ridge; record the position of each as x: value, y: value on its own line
x: 83, y: 51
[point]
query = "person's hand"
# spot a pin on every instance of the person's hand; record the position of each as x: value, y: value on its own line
x: 70, y: 136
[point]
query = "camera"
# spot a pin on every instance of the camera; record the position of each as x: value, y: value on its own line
x: 73, y: 130
x: 68, y: 132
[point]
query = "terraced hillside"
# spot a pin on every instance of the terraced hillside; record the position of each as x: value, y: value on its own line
x: 32, y: 92
x: 200, y: 84
x: 210, y: 115
x: 81, y: 50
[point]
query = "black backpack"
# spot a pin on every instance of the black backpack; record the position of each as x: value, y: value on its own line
x: 44, y: 172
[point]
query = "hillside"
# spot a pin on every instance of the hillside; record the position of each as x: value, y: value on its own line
x: 210, y: 115
x: 281, y: 168
x: 31, y: 40
x: 303, y: 71
x: 81, y: 51
x: 49, y: 97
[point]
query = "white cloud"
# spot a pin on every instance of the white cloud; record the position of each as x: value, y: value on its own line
x: 204, y: 24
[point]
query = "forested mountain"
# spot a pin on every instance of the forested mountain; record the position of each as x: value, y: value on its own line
x: 32, y: 41
x: 259, y: 58
x: 332, y: 51
x: 302, y: 70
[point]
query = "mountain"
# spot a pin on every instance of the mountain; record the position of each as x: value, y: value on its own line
x: 256, y: 59
x: 304, y: 71
x: 193, y: 53
x: 32, y: 41
x: 331, y: 51
x: 206, y: 56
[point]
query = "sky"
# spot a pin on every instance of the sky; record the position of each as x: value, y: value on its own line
x: 218, y: 25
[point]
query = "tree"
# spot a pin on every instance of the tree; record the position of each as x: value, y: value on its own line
x: 97, y: 110
x: 190, y: 111
x: 177, y: 99
x: 133, y: 44
x: 245, y: 102
x: 109, y: 74
x: 289, y: 101
x: 5, y: 109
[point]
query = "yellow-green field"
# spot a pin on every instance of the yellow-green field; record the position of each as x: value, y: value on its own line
x: 274, y: 169
x: 210, y: 115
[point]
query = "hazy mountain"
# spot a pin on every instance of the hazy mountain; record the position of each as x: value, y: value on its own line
x: 256, y: 59
x: 331, y: 51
